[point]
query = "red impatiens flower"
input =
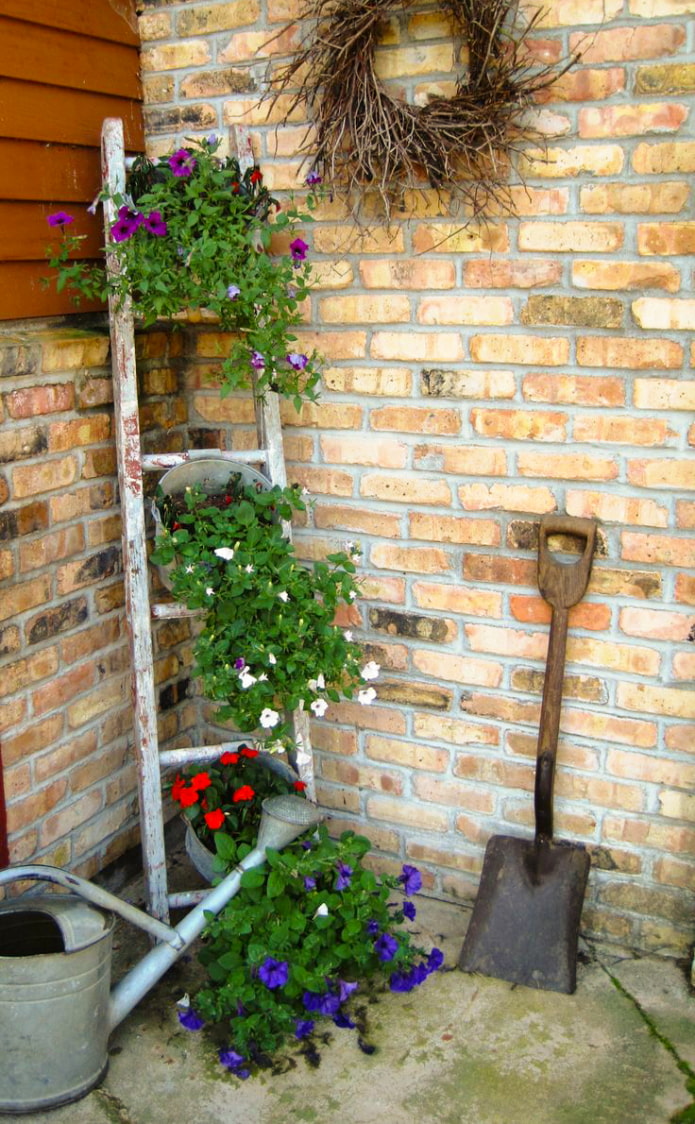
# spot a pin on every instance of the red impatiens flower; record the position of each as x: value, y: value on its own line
x: 215, y: 819
x: 187, y: 797
x: 299, y: 786
x: 243, y: 793
x: 256, y: 176
x: 201, y: 781
x: 245, y: 751
x: 228, y: 758
x: 177, y: 787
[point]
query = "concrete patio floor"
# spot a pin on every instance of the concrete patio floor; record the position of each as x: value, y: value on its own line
x: 463, y: 1049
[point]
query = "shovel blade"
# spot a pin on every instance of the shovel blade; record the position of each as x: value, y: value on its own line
x: 525, y: 923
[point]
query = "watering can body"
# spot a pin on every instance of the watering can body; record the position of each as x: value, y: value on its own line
x: 55, y: 969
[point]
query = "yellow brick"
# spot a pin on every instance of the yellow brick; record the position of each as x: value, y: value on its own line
x: 364, y: 310
x: 175, y: 56
x: 465, y: 310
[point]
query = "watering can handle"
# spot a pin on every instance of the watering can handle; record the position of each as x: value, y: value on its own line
x: 95, y: 895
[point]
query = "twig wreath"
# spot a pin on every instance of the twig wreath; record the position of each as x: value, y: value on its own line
x: 365, y: 140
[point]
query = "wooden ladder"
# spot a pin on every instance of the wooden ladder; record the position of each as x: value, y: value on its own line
x: 140, y: 611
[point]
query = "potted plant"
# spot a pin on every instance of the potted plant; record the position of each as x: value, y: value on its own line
x: 309, y: 941
x: 270, y: 642
x: 222, y: 804
x: 194, y: 231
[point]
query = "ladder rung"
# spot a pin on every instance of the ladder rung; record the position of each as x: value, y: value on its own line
x: 162, y: 610
x: 186, y: 897
x: 191, y: 753
x: 152, y: 461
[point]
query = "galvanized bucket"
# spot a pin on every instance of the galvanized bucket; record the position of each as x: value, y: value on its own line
x: 211, y: 475
x: 55, y: 969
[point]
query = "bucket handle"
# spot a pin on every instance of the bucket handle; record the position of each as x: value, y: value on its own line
x: 94, y: 894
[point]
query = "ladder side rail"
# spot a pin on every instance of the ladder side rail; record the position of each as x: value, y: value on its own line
x: 154, y: 461
x: 134, y: 553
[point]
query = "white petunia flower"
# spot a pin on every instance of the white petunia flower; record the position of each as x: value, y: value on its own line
x: 322, y: 910
x: 371, y: 670
x: 284, y: 595
x: 190, y: 569
x: 263, y: 678
x: 246, y: 679
x: 269, y: 718
x: 209, y: 591
x: 271, y: 658
x: 319, y: 707
x: 352, y: 594
x: 225, y: 553
x: 249, y: 568
x: 367, y: 696
x: 348, y: 635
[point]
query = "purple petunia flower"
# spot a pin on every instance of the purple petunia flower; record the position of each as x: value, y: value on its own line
x: 239, y: 663
x: 234, y: 1063
x: 312, y: 179
x: 297, y: 361
x: 372, y: 927
x: 409, y: 911
x: 327, y: 1004
x: 401, y: 981
x: 343, y: 1021
x: 344, y: 876
x: 303, y: 1027
x: 309, y: 883
x: 126, y: 225
x: 182, y: 162
x: 274, y: 973
x: 385, y: 947
x: 307, y: 844
x: 346, y: 989
x: 411, y: 879
x: 435, y: 959
x: 233, y: 292
x: 190, y: 1020
x: 154, y: 224
x: 298, y: 249
x: 257, y: 361
x: 60, y: 218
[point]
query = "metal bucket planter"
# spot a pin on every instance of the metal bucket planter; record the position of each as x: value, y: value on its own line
x: 211, y: 475
x: 202, y: 857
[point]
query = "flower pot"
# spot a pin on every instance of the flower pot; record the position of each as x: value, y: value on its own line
x: 200, y: 855
x: 211, y: 475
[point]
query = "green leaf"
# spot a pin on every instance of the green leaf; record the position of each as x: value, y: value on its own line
x: 276, y: 884
x: 251, y: 879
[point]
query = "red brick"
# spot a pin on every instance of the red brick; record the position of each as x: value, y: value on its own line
x: 451, y: 238
x: 673, y: 702
x: 413, y: 419
x: 56, y: 694
x: 666, y: 238
x: 610, y: 508
x: 502, y: 497
x: 498, y: 570
x: 321, y: 481
x: 36, y: 479
x: 458, y: 669
x: 511, y: 274
x: 625, y: 275
x: 415, y: 275
x: 576, y: 390
x: 519, y: 425
x: 631, y: 120
x: 457, y: 731
x: 405, y: 489
x: 412, y: 755
x: 590, y: 429
x: 454, y: 529
x: 661, y: 473
x: 461, y: 460
x: 667, y: 315
x: 341, y: 517
x: 634, y: 198
x: 571, y: 237
x: 568, y: 163
x: 621, y: 44
x: 657, y: 549
x: 670, y: 156
x: 457, y: 599
x: 664, y: 394
x: 31, y: 402
x: 584, y: 84
x: 566, y: 466
x: 607, y: 352
x: 418, y: 560
x: 417, y: 347
x: 465, y: 310
x: 520, y: 349
x: 51, y: 548
x: 25, y: 596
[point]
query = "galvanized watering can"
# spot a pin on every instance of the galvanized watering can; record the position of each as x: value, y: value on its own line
x: 56, y: 1009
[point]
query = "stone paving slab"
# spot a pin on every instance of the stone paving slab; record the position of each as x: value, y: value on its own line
x: 461, y: 1050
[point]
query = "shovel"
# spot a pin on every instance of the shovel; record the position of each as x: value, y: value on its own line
x: 525, y: 922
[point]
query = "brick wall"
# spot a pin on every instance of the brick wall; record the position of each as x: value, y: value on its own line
x: 474, y: 379
x: 65, y: 706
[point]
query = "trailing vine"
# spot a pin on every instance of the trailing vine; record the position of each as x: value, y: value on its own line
x: 364, y: 139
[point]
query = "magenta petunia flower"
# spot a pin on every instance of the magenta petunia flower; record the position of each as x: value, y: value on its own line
x: 312, y: 179
x: 233, y: 292
x: 182, y: 162
x: 298, y: 249
x: 60, y: 218
x: 297, y: 361
x: 257, y: 361
x: 154, y: 224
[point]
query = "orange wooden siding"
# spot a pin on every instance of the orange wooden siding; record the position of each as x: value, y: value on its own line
x: 63, y: 69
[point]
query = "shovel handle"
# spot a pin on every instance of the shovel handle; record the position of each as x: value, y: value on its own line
x: 562, y: 585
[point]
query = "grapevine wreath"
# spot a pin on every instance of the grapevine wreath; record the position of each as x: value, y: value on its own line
x: 363, y: 139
